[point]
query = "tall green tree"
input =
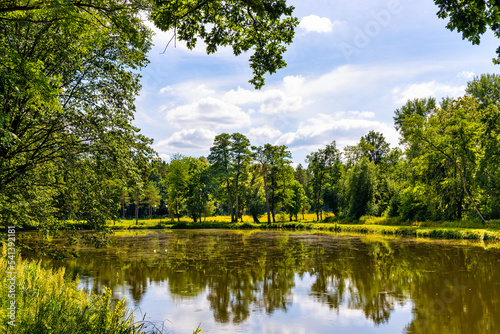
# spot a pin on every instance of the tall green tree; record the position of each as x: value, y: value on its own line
x: 374, y: 146
x: 447, y: 139
x: 240, y: 158
x: 124, y: 199
x: 325, y: 167
x: 271, y: 160
x: 220, y: 160
x: 69, y: 76
x: 297, y: 200
x: 151, y: 197
x: 176, y: 183
x: 63, y: 100
x: 486, y: 88
x: 256, y: 202
x: 361, y: 187
x: 279, y: 175
x: 198, y: 187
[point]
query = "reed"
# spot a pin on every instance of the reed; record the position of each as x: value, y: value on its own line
x: 47, y: 302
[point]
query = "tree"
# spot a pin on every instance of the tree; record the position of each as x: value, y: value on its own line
x: 260, y: 155
x: 198, y: 187
x: 220, y: 159
x: 256, y: 202
x: 300, y: 175
x: 472, y: 19
x: 124, y: 199
x: 62, y: 98
x: 447, y: 137
x: 230, y: 156
x: 262, y: 25
x: 486, y: 89
x: 361, y: 187
x: 278, y: 174
x: 374, y: 146
x: 151, y: 197
x: 240, y: 157
x: 282, y: 177
x: 324, y: 166
x: 66, y: 101
x: 297, y: 201
x: 176, y: 182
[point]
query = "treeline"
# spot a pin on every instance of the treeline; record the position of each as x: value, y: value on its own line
x: 448, y: 170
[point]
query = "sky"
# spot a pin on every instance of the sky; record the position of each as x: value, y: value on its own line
x: 351, y: 65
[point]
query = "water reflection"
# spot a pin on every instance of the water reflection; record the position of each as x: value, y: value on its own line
x: 449, y: 287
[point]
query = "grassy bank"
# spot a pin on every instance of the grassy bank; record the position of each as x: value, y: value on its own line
x: 465, y: 229
x: 46, y: 302
x: 366, y: 225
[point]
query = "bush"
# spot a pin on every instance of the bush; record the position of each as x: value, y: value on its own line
x: 412, y: 205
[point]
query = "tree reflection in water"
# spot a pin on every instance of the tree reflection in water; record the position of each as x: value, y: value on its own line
x: 454, y: 288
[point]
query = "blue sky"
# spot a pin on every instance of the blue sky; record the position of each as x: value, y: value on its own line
x: 352, y: 64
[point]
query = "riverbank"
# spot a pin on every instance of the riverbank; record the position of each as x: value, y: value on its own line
x: 472, y: 230
x: 366, y: 225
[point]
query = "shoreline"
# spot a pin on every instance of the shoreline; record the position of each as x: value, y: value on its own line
x: 443, y: 230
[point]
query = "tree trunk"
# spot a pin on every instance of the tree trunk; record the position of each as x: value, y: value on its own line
x: 267, y: 197
x: 230, y: 200
x: 123, y: 208
x: 236, y: 213
x: 136, y: 208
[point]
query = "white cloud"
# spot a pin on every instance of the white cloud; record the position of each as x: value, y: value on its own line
x: 208, y: 113
x: 165, y: 157
x: 427, y: 89
x: 293, y: 83
x: 466, y: 74
x: 190, y: 91
x: 264, y: 132
x: 346, y: 128
x: 271, y: 101
x: 196, y: 139
x: 314, y: 23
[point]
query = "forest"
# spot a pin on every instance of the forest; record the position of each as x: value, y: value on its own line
x: 445, y: 169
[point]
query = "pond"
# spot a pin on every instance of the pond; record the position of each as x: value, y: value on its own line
x: 286, y: 282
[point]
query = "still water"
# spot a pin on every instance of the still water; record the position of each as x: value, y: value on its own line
x: 284, y: 282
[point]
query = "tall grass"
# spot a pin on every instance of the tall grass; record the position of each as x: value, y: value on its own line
x: 161, y: 223
x: 47, y: 302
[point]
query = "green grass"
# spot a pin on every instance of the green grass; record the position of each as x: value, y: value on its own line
x: 409, y: 230
x: 465, y: 229
x: 47, y: 302
x: 161, y: 223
